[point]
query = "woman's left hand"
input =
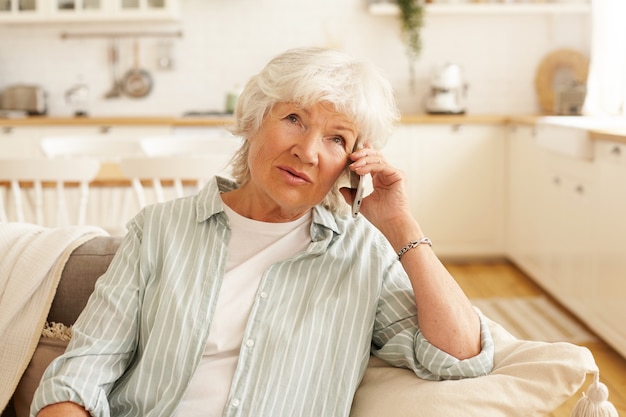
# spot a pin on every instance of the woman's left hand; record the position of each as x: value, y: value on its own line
x: 388, y: 204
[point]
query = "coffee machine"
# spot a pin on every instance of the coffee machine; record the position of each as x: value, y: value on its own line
x: 448, y: 90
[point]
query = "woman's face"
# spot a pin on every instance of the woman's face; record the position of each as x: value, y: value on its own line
x: 296, y: 157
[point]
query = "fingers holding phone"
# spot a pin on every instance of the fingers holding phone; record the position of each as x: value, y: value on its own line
x: 383, y: 187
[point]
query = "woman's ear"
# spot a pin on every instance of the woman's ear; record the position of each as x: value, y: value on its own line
x: 348, y: 194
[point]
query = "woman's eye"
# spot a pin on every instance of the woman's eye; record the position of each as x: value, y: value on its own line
x: 292, y: 118
x: 339, y: 140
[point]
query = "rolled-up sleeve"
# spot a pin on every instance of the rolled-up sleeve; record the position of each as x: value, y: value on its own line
x: 397, y: 338
x: 103, y: 340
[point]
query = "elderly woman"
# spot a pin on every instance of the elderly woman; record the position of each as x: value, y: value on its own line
x: 264, y: 296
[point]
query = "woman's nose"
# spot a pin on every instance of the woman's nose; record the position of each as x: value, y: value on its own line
x: 307, y: 148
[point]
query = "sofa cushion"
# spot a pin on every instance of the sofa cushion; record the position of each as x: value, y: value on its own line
x: 529, y: 379
x: 85, y: 265
x: 47, y: 349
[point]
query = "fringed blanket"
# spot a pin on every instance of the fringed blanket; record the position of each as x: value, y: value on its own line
x: 31, y: 262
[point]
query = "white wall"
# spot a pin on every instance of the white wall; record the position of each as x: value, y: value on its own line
x: 224, y: 42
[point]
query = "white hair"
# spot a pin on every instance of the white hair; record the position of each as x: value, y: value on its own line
x: 308, y: 76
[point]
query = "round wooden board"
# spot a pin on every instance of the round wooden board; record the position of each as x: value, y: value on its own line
x: 560, y: 59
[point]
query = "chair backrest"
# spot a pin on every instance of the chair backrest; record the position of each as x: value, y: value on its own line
x: 175, y: 169
x: 113, y: 208
x: 38, y: 172
x: 101, y: 147
x: 221, y: 149
x: 189, y: 145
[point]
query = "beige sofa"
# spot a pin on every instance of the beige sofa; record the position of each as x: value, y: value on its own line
x: 84, y: 266
x: 529, y: 379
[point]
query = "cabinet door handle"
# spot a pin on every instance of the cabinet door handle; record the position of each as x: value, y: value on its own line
x: 616, y: 150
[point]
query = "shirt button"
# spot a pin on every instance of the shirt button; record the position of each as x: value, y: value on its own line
x: 249, y: 342
x: 264, y: 294
x: 235, y: 402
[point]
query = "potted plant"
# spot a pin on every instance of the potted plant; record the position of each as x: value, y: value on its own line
x: 411, y: 19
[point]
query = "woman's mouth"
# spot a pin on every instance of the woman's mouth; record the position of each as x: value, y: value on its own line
x: 295, y: 176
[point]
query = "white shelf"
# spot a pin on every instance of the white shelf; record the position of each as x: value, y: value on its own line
x: 391, y: 9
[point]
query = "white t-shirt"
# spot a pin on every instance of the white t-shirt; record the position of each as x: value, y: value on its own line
x: 254, y: 246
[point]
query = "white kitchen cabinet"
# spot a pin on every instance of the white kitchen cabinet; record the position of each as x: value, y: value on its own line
x: 456, y: 184
x: 551, y: 216
x: 21, y: 10
x: 566, y: 228
x: 77, y: 9
x: 18, y: 141
x: 404, y: 151
x: 42, y: 11
x: 147, y: 9
x: 606, y: 300
x: 569, y: 217
x: 526, y: 243
x: 463, y: 184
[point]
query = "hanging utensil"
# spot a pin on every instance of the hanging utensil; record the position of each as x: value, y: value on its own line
x: 116, y: 89
x: 137, y: 82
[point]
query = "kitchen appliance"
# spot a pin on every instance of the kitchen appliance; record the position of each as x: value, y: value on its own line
x: 448, y: 90
x: 78, y: 98
x: 31, y: 99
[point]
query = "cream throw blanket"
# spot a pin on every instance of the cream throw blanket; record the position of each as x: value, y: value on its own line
x: 31, y: 262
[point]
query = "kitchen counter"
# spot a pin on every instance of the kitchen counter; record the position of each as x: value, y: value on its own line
x: 458, y: 119
x: 226, y: 120
x: 596, y: 131
x: 598, y: 128
x: 117, y: 121
x: 612, y: 135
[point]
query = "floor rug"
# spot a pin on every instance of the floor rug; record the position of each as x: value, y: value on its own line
x: 534, y: 318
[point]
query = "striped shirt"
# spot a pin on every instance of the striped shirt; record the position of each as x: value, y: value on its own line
x: 315, y: 320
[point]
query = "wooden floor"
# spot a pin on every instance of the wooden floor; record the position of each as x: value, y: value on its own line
x: 502, y: 279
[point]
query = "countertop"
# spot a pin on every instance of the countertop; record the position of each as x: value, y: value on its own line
x: 611, y: 135
x: 596, y: 132
x: 226, y: 120
x: 117, y: 121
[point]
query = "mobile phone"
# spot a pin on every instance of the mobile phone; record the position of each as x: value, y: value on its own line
x: 357, y: 183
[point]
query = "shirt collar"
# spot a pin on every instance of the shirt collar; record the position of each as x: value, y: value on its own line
x: 209, y: 203
x: 208, y: 200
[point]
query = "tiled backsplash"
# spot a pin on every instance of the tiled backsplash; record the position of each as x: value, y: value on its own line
x: 225, y: 42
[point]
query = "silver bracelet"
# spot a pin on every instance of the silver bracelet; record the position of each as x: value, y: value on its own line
x: 413, y: 244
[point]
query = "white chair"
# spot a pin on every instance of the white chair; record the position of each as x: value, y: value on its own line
x: 102, y: 147
x: 189, y: 145
x: 39, y: 172
x: 174, y: 169
x: 111, y: 207
x: 221, y: 148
